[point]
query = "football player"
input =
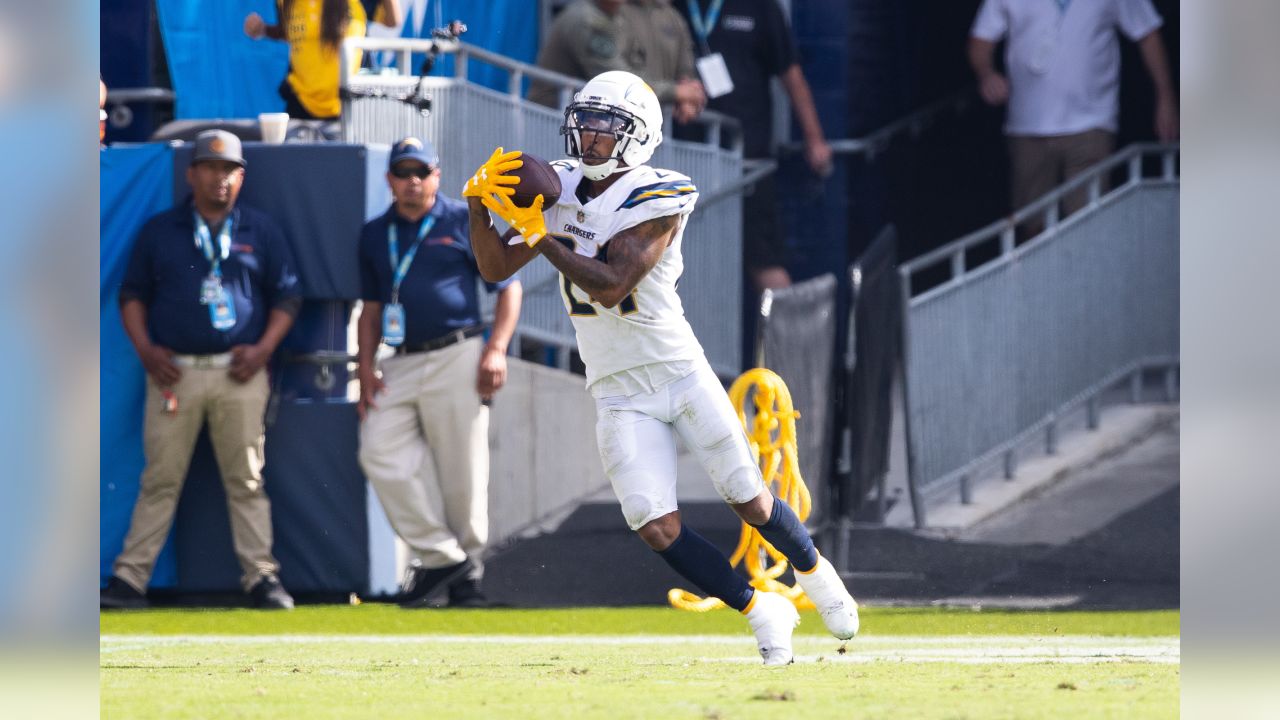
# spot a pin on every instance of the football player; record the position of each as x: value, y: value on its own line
x: 615, y: 237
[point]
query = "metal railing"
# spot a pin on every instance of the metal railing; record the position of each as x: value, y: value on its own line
x: 120, y: 115
x: 910, y: 125
x: 403, y: 77
x: 466, y: 121
x: 1001, y: 351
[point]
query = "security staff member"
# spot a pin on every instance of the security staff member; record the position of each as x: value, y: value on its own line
x: 208, y: 295
x: 424, y: 432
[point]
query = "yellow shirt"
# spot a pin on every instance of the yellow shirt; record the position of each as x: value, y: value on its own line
x: 313, y: 66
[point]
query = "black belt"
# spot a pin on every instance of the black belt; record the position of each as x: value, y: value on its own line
x: 443, y: 341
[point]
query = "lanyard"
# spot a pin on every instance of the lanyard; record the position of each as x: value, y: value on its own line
x: 400, y: 266
x: 205, y: 243
x: 704, y: 24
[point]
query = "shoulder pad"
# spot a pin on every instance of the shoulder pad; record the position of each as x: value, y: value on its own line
x: 665, y: 189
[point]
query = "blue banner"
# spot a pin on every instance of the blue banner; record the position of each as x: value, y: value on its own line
x: 137, y: 182
x: 506, y: 27
x: 219, y: 72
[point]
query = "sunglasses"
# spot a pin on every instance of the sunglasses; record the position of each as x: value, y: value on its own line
x: 404, y: 172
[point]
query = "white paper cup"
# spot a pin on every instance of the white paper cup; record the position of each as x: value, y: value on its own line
x: 274, y: 127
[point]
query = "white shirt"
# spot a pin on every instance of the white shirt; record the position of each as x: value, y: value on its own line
x: 1063, y: 65
x: 623, y: 342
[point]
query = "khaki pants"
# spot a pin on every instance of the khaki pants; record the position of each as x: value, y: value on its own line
x: 425, y: 451
x: 1041, y: 163
x: 234, y: 412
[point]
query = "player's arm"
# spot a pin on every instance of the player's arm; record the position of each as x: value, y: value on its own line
x: 632, y: 254
x: 496, y: 259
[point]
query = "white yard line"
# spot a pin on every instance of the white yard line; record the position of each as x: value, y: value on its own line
x: 1071, y: 649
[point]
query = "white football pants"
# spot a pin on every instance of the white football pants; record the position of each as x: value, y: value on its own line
x: 638, y: 448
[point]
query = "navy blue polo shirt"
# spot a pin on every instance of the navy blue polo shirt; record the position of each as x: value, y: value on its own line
x: 167, y: 267
x: 439, y: 290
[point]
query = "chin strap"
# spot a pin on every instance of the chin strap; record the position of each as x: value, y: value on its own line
x: 617, y: 168
x: 592, y: 172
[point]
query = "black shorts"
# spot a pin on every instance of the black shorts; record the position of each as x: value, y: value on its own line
x: 763, y: 244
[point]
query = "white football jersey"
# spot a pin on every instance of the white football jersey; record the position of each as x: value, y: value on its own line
x: 648, y: 326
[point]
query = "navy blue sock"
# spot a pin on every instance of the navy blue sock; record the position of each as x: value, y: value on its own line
x: 785, y: 532
x: 702, y: 564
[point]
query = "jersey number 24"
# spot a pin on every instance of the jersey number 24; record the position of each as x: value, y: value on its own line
x: 586, y: 309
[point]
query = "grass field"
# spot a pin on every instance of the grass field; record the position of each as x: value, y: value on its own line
x: 378, y: 661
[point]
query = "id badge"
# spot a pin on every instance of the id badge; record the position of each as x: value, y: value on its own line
x: 210, y: 289
x: 393, y: 324
x: 222, y: 312
x: 715, y: 75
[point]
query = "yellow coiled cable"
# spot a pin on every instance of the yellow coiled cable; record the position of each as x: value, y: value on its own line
x: 772, y: 436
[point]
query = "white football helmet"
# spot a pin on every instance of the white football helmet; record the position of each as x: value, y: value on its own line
x: 617, y: 103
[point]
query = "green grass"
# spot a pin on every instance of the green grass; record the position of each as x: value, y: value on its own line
x: 380, y: 619
x: 377, y: 661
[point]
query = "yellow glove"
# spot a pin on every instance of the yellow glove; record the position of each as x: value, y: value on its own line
x: 527, y: 221
x: 490, y: 180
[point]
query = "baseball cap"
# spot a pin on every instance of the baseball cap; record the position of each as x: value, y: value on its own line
x: 218, y: 145
x: 411, y: 148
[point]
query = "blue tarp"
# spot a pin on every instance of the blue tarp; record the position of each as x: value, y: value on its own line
x: 137, y: 182
x: 506, y: 27
x: 218, y: 72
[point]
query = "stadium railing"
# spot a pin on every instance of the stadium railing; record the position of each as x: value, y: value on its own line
x: 120, y: 113
x: 466, y: 121
x: 797, y: 341
x: 1005, y: 347
x: 908, y: 126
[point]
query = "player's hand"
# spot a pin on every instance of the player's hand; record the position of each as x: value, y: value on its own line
x: 370, y: 386
x: 492, y: 374
x: 527, y: 221
x: 490, y: 178
x: 994, y: 88
x: 254, y: 26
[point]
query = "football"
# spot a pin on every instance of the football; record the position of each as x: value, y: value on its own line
x: 537, y: 177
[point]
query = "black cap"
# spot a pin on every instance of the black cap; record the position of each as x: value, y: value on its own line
x: 218, y: 145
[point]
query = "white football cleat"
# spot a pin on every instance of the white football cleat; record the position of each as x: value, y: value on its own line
x: 772, y: 618
x: 837, y: 607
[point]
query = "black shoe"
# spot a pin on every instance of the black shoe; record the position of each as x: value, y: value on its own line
x: 411, y: 588
x: 269, y: 594
x: 120, y: 595
x: 465, y: 593
x: 423, y: 582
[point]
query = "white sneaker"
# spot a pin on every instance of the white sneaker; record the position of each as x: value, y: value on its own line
x: 837, y: 607
x: 772, y: 618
